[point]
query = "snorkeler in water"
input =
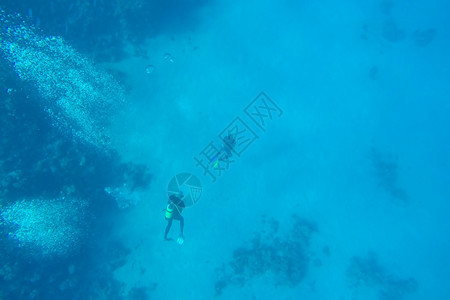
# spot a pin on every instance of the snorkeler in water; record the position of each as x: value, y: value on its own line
x: 225, y: 152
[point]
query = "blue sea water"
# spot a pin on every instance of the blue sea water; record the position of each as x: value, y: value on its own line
x: 335, y: 185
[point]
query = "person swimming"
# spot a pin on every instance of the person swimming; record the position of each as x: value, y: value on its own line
x: 226, y: 151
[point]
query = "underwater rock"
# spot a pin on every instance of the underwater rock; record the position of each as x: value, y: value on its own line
x: 138, y: 293
x: 6, y: 272
x: 79, y: 97
x: 302, y: 230
x: 108, y: 30
x: 46, y: 226
x: 286, y: 257
x: 124, y: 196
x: 423, y: 38
x: 135, y: 179
x: 368, y: 272
x: 386, y: 172
x: 391, y: 31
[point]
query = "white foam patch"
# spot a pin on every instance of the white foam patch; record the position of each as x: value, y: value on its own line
x: 46, y: 226
x: 77, y: 95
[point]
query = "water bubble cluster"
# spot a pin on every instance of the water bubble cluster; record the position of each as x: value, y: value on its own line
x: 149, y: 69
x: 169, y: 57
x: 78, y: 96
x: 50, y: 226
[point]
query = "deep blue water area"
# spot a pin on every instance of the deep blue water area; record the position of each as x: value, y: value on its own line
x: 224, y: 149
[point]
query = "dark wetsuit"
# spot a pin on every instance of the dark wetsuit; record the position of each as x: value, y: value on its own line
x: 177, y: 205
x: 225, y: 153
x: 229, y: 143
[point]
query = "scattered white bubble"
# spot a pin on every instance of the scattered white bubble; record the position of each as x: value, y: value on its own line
x: 77, y: 95
x: 149, y: 69
x: 169, y: 57
x: 52, y: 226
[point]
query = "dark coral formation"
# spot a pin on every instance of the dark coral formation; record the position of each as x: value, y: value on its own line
x: 368, y: 272
x: 37, y: 161
x: 392, y: 32
x: 423, y: 38
x: 87, y: 274
x: 285, y: 257
x: 386, y: 172
x: 101, y: 28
